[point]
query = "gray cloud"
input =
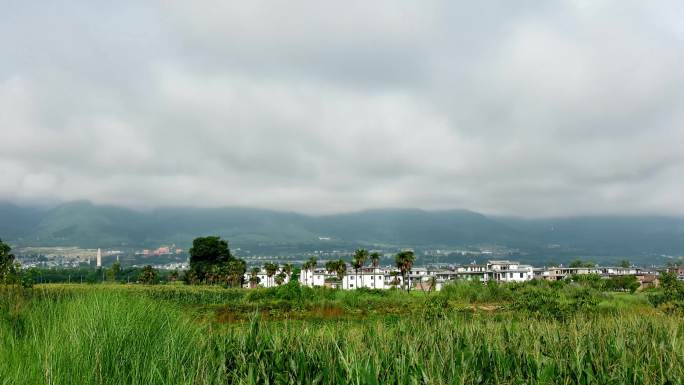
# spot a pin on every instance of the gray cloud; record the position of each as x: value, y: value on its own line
x: 542, y: 108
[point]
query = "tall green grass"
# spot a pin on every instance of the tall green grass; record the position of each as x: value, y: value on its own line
x: 126, y: 337
x: 104, y: 338
x: 457, y: 350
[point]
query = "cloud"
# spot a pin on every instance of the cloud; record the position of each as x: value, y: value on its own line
x: 537, y: 109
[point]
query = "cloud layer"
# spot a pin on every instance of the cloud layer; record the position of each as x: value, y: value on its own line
x: 535, y: 109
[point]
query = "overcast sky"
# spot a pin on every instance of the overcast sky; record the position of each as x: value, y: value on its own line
x: 533, y: 108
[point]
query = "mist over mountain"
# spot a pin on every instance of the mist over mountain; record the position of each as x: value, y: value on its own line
x: 87, y: 225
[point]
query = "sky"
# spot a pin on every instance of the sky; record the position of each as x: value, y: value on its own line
x: 530, y: 108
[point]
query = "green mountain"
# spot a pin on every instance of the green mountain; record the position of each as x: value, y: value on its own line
x: 606, y: 235
x: 87, y: 225
x: 17, y: 222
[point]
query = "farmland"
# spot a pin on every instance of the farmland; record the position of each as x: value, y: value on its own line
x: 176, y: 334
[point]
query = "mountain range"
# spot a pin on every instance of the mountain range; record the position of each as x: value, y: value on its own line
x: 88, y: 225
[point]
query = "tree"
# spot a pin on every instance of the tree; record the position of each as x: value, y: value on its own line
x: 341, y: 269
x: 579, y: 263
x: 8, y: 268
x: 331, y: 267
x: 360, y: 256
x: 338, y: 268
x: 287, y: 269
x: 309, y: 265
x: 207, y: 252
x: 173, y: 275
x: 271, y: 269
x: 623, y: 283
x: 625, y: 263
x: 305, y: 268
x: 404, y: 261
x: 280, y: 278
x: 253, y: 277
x: 235, y: 272
x: 213, y: 274
x: 27, y: 278
x: 113, y: 272
x: 148, y: 275
x: 375, y: 258
x: 671, y: 292
x: 190, y: 277
x: 395, y: 281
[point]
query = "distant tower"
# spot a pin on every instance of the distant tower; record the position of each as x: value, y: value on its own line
x: 99, y: 258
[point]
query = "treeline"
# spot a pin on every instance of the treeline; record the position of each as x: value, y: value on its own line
x: 114, y: 273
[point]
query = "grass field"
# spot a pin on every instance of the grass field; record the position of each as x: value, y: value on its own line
x: 174, y: 334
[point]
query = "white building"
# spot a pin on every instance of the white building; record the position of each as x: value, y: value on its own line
x: 509, y: 271
x: 314, y: 277
x: 368, y: 277
x: 495, y: 270
x: 264, y: 279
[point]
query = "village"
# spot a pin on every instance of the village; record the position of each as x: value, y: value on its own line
x: 433, y: 279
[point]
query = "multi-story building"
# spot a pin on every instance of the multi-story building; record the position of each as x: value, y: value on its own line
x: 368, y: 277
x: 423, y: 277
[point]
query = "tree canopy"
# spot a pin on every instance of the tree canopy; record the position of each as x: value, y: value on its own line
x: 148, y: 275
x: 404, y: 261
x: 581, y: 263
x: 7, y: 266
x: 211, y: 254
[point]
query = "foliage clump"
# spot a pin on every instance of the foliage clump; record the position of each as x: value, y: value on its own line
x: 211, y: 262
x: 670, y: 295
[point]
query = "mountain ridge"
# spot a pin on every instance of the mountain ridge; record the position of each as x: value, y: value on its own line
x: 85, y: 224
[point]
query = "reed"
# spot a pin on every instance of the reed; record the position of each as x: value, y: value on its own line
x: 140, y: 335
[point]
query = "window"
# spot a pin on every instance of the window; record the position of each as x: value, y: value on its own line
x: 521, y: 275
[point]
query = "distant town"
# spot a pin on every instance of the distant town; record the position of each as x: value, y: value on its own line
x: 426, y: 275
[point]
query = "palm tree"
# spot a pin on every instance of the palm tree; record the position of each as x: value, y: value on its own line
x: 287, y: 269
x: 305, y: 270
x: 404, y: 260
x: 331, y: 267
x: 360, y: 256
x: 280, y: 278
x: 271, y: 269
x: 375, y: 258
x: 340, y: 269
x: 254, y: 279
x: 394, y: 282
x: 213, y: 274
x: 235, y: 271
x: 313, y: 262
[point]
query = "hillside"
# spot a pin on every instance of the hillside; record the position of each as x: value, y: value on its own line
x: 87, y: 225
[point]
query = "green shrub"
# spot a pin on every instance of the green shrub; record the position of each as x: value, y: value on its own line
x: 540, y: 302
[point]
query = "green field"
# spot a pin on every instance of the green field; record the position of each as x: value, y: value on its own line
x: 175, y: 334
